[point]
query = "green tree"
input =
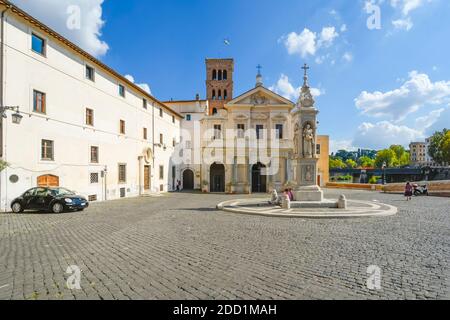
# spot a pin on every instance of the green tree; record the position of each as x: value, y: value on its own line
x: 437, y: 148
x: 351, y: 164
x: 366, y: 162
x: 446, y: 147
x: 401, y: 155
x: 337, y: 163
x: 404, y: 160
x: 388, y: 156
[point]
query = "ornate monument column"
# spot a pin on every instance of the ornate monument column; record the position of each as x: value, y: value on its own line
x: 305, y: 141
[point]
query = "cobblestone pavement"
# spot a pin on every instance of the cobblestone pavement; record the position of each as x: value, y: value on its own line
x: 180, y: 247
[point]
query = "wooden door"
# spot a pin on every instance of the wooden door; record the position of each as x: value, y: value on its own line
x: 146, y: 177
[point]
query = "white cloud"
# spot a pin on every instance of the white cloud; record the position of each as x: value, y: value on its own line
x: 327, y: 36
x: 303, y: 43
x: 406, y: 6
x: 285, y: 88
x: 415, y: 93
x: 383, y: 134
x: 403, y: 24
x: 307, y: 43
x: 336, y: 145
x: 58, y: 13
x: 427, y: 121
x: 344, y: 28
x: 143, y: 86
x: 348, y: 57
x: 443, y: 122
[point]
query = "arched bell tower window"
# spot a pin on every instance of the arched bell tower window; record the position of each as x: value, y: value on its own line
x: 225, y: 74
x: 214, y: 111
x: 220, y: 75
x: 220, y: 94
x: 225, y: 95
x: 214, y: 94
x: 214, y: 75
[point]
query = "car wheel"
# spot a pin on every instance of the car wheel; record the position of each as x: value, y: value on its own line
x: 57, y: 207
x: 17, y: 208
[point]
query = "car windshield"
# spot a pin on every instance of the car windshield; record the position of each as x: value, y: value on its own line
x: 61, y: 192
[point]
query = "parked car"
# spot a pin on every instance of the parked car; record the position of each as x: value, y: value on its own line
x: 56, y: 200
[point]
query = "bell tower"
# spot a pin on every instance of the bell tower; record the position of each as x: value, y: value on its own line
x: 219, y: 83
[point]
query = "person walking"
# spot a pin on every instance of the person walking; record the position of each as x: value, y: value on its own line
x: 408, y: 191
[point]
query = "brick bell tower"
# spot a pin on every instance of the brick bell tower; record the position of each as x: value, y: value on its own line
x: 219, y: 83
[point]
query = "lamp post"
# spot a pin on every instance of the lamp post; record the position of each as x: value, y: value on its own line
x: 16, y: 116
x: 384, y: 172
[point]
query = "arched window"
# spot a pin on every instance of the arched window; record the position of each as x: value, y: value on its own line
x: 214, y: 75
x: 225, y: 95
x: 220, y: 75
x: 225, y: 75
x: 214, y: 111
x: 220, y: 94
x: 214, y: 94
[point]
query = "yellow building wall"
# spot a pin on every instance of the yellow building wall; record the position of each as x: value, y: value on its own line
x: 324, y: 159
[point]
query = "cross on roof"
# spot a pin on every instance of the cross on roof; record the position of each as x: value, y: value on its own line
x: 259, y: 68
x: 306, y: 68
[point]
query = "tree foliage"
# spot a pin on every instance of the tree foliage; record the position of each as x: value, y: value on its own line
x: 387, y: 156
x: 337, y: 163
x: 395, y: 156
x: 366, y: 162
x: 351, y: 164
x: 439, y: 148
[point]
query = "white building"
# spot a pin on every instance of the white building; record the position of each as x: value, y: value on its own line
x: 84, y: 126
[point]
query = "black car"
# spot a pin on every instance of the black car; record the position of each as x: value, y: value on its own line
x: 56, y: 200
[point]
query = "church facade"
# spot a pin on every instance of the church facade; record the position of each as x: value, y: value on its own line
x: 244, y: 144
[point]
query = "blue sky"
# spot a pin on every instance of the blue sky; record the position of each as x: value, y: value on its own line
x: 374, y: 87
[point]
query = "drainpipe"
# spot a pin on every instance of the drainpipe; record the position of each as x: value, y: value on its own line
x: 153, y: 145
x: 2, y: 49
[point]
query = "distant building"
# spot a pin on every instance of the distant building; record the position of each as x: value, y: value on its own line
x: 418, y: 153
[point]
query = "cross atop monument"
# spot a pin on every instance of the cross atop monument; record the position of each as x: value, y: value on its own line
x: 259, y: 67
x: 305, y: 77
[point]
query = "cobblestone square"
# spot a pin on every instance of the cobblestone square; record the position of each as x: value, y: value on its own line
x: 178, y: 246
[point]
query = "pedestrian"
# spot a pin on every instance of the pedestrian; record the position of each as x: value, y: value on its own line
x: 178, y: 185
x: 408, y: 191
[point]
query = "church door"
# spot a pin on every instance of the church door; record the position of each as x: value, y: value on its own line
x: 188, y: 180
x: 259, y: 181
x: 217, y: 178
x: 146, y: 178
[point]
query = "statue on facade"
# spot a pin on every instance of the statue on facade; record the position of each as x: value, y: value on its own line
x: 297, y: 140
x: 308, y: 141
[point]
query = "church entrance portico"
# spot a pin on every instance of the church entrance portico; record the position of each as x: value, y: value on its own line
x: 259, y: 181
x: 188, y: 179
x: 217, y: 177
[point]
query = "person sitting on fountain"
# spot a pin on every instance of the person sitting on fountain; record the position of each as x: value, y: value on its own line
x: 291, y: 194
x: 274, y: 199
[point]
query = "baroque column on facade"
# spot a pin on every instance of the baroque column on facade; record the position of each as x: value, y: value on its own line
x: 305, y: 142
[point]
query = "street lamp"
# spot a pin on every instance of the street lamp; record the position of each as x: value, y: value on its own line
x: 384, y: 172
x: 16, y: 116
